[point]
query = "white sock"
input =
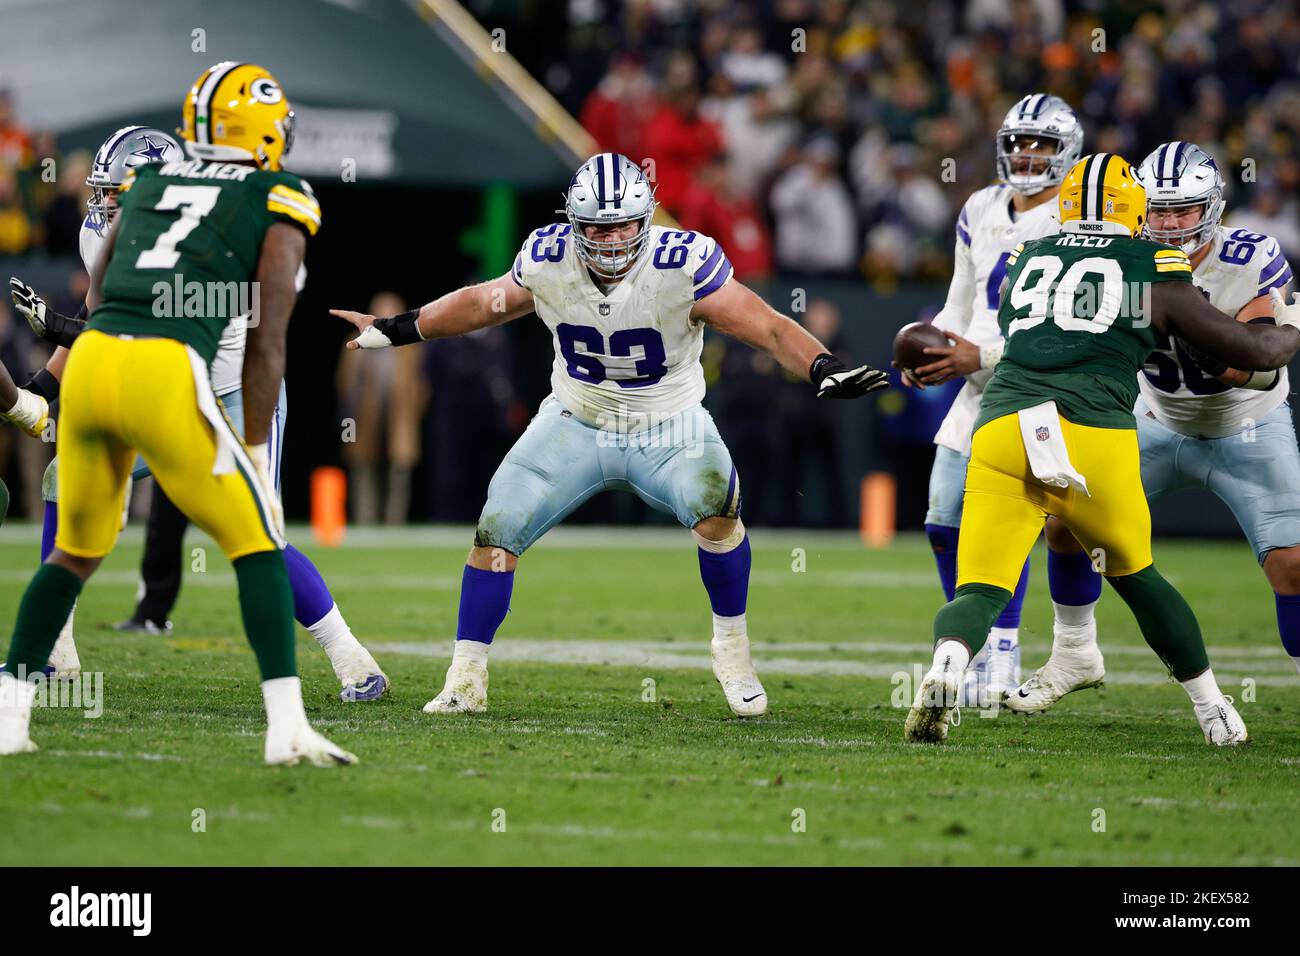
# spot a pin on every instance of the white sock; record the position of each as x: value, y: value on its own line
x: 729, y: 628
x: 333, y: 634
x: 997, y: 634
x: 16, y: 695
x: 1296, y: 660
x: 470, y: 652
x: 283, y: 699
x: 1075, y: 615
x: 1202, y: 689
x: 954, y: 655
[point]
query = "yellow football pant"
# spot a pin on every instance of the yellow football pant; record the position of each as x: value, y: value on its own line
x: 121, y: 395
x: 1005, y: 506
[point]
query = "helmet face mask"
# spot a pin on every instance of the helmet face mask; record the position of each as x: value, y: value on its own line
x: 1188, y: 237
x: 129, y: 147
x: 1029, y: 156
x: 609, y: 191
x: 1181, y: 176
x: 611, y: 258
x: 1039, y: 140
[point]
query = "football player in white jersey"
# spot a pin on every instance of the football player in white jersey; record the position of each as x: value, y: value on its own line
x: 314, y: 607
x: 1200, y: 424
x: 1038, y: 142
x: 626, y: 303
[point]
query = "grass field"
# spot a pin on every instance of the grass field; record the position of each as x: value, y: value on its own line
x: 580, y: 768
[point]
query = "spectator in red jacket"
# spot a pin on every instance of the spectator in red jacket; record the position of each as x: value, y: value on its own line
x: 678, y: 139
x: 619, y: 109
x: 717, y: 207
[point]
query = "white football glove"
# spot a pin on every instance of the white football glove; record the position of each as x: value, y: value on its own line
x: 1284, y: 314
x: 29, y: 304
x: 30, y: 413
x: 261, y: 457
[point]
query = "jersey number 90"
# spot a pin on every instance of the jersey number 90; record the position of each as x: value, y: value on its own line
x: 1042, y: 298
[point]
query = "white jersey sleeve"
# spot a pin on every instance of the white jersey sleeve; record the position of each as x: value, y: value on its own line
x: 1238, y: 268
x: 959, y: 307
x: 629, y: 357
x: 90, y: 242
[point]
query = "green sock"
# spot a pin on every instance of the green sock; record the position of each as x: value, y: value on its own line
x: 41, y: 615
x: 970, y: 614
x: 266, y: 602
x: 1167, y: 623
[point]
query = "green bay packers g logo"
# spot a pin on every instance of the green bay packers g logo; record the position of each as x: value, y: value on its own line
x: 264, y: 90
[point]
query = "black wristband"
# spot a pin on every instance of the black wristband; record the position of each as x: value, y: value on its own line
x: 401, y: 329
x: 822, y: 366
x: 62, y: 329
x: 44, y: 384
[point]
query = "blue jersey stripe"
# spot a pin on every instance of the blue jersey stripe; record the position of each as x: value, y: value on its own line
x: 963, y: 235
x: 1272, y: 268
x: 716, y: 282
x: 1277, y: 283
x: 711, y: 263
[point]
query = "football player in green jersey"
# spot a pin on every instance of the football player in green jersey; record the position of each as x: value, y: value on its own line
x: 196, y: 243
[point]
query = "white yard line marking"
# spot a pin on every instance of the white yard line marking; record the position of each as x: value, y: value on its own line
x: 664, y: 656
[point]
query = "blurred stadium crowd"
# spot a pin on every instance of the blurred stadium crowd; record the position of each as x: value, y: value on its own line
x: 826, y: 140
x: 810, y: 136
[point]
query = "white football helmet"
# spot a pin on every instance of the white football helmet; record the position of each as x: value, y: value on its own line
x: 129, y: 147
x: 609, y: 189
x: 1036, y: 120
x: 1178, y: 175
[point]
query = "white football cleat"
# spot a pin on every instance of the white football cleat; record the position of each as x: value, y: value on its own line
x: 1067, y: 670
x: 934, y: 708
x: 287, y: 744
x: 360, y: 676
x: 1222, y: 724
x: 734, y: 669
x: 464, y: 691
x: 15, y: 715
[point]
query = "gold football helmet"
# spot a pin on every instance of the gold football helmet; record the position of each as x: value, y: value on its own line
x: 237, y: 111
x: 1101, y: 194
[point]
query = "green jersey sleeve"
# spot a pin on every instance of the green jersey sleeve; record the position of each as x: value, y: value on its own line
x: 289, y: 198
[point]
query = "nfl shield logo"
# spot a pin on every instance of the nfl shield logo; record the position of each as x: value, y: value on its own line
x: 1041, y: 433
x: 604, y: 308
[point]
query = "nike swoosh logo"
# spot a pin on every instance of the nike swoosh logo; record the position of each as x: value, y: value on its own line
x: 1022, y: 693
x: 750, y: 700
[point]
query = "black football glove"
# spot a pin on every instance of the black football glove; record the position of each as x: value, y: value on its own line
x: 45, y: 322
x: 833, y: 379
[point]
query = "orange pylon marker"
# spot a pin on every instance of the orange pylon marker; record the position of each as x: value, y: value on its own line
x: 329, y: 499
x: 878, y: 509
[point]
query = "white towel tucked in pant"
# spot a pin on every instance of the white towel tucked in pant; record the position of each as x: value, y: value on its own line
x: 1040, y: 429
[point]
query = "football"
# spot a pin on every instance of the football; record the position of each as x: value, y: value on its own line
x: 910, y: 342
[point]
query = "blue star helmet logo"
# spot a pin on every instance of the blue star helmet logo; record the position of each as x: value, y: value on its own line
x: 151, y: 152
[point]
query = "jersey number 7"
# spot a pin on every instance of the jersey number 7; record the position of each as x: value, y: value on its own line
x: 194, y: 202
